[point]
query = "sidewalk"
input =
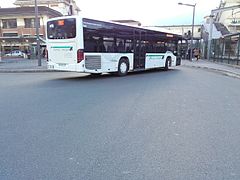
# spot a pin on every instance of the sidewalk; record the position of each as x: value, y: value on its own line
x: 226, y: 69
x: 22, y: 65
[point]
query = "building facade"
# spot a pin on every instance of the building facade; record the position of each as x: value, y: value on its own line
x: 128, y: 22
x: 184, y: 30
x: 229, y: 18
x: 17, y: 27
x: 65, y: 7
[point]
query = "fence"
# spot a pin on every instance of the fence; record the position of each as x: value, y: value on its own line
x: 227, y: 49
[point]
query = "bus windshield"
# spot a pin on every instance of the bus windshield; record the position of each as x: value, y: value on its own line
x: 61, y: 29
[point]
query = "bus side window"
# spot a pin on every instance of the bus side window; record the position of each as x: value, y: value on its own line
x: 90, y: 44
x: 128, y: 49
x: 109, y: 44
x: 101, y: 47
x: 129, y: 46
x: 110, y: 48
x: 150, y: 47
x: 120, y: 47
x: 161, y: 48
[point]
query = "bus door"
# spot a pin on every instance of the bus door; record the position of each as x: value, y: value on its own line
x: 139, y: 50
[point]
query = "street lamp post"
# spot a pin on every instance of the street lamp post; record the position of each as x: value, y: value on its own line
x: 191, y: 45
x: 37, y: 33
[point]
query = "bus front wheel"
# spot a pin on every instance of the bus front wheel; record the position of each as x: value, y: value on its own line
x: 168, y: 60
x: 123, y: 67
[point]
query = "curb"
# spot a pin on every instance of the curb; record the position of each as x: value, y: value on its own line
x: 26, y: 70
x: 224, y: 64
x: 224, y: 72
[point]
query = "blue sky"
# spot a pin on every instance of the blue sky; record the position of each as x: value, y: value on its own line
x: 150, y: 12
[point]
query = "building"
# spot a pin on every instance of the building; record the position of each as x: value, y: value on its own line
x: 229, y: 18
x: 218, y: 31
x: 65, y: 7
x: 17, y: 27
x: 128, y: 22
x: 184, y: 30
x: 225, y: 23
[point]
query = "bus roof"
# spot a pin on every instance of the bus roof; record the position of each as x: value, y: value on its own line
x: 163, y: 31
x: 168, y: 34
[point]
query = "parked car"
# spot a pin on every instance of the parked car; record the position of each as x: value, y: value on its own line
x: 16, y: 53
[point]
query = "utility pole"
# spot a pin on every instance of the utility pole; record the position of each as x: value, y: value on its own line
x: 37, y: 34
x: 192, y: 32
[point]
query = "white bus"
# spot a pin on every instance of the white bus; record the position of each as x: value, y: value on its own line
x: 93, y: 46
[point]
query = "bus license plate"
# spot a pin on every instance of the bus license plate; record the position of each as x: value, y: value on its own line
x: 50, y: 66
x: 62, y: 64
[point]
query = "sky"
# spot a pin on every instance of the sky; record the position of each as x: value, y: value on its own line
x: 148, y: 12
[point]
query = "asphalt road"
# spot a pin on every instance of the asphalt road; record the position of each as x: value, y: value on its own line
x: 182, y: 124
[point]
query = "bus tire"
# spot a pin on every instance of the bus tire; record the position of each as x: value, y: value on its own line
x: 123, y: 67
x: 96, y: 74
x: 168, y: 60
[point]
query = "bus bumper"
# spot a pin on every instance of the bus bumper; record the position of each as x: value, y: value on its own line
x: 63, y: 67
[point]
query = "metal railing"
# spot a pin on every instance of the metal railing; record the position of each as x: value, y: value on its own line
x: 227, y: 49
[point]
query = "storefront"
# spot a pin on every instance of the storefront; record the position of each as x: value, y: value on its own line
x: 24, y: 44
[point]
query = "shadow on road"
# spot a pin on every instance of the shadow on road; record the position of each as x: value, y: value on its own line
x: 89, y: 77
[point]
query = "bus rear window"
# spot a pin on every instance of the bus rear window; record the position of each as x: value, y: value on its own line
x: 61, y: 29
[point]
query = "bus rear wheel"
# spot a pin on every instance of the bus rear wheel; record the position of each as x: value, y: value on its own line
x: 123, y: 67
x: 96, y: 74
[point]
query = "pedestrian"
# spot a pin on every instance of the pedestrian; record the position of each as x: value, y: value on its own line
x: 196, y: 53
x: 44, y: 52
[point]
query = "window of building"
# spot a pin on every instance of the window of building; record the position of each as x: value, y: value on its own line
x: 9, y: 23
x: 26, y: 35
x: 30, y: 22
x: 54, y: 5
x: 238, y: 28
x: 10, y: 34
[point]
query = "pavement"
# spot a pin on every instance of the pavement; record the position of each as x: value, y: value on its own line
x: 15, y: 65
x: 225, y: 69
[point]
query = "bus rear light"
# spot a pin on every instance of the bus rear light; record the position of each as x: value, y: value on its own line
x: 80, y: 55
